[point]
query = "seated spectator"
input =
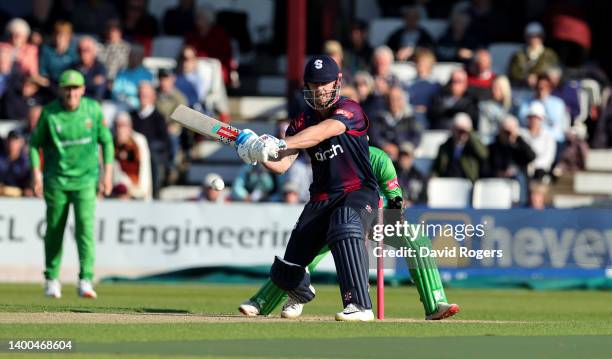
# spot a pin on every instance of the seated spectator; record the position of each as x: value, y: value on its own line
x: 210, y: 40
x: 58, y: 57
x: 24, y: 55
x: 178, y: 20
x: 149, y: 122
x: 538, y: 194
x: 89, y: 16
x: 125, y: 86
x: 15, y: 167
x: 404, y: 41
x: 291, y: 193
x: 333, y: 49
x: 350, y: 92
x: 480, y: 75
x: 455, y: 45
x: 204, y: 91
x: 358, y: 52
x: 370, y: 101
x: 32, y: 119
x: 138, y: 24
x: 510, y: 154
x: 533, y: 60
x: 8, y: 75
x: 168, y: 98
x: 539, y: 139
x: 92, y: 69
x: 565, y: 90
x: 453, y: 99
x: 210, y: 193
x: 493, y: 111
x: 17, y: 100
x: 381, y: 70
x: 422, y: 90
x: 253, y: 184
x: 557, y: 118
x: 573, y: 156
x: 411, y: 180
x: 132, y: 166
x: 115, y: 51
x: 462, y: 155
x: 392, y: 128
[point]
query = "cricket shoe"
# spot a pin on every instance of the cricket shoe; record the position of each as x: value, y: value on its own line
x: 444, y: 311
x: 354, y: 313
x: 53, y: 288
x: 85, y: 289
x: 292, y: 309
x: 249, y: 308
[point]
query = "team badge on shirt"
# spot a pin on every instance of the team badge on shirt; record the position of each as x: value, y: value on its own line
x: 88, y: 123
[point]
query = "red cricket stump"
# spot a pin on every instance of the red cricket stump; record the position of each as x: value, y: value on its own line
x: 380, y: 285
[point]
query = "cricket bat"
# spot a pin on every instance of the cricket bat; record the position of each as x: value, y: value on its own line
x: 205, y: 125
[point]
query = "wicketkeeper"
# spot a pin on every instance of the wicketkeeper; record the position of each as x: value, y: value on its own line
x: 423, y: 270
x: 68, y: 134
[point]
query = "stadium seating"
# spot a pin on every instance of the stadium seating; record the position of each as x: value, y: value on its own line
x: 167, y: 46
x: 253, y: 108
x: 110, y: 110
x: 7, y: 125
x: 572, y: 201
x: 405, y: 71
x: 593, y: 183
x: 430, y: 142
x: 449, y: 192
x: 179, y: 193
x: 272, y: 86
x: 501, y: 53
x: 493, y: 193
x: 441, y: 72
x: 435, y: 27
x: 154, y: 64
x: 381, y: 28
x: 599, y: 160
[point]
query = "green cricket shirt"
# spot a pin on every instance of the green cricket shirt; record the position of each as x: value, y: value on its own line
x: 69, y: 142
x: 385, y: 174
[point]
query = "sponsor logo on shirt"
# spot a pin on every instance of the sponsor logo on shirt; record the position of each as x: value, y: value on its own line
x: 88, y: 123
x: 324, y: 155
x: 392, y: 184
x: 79, y: 141
x: 344, y: 113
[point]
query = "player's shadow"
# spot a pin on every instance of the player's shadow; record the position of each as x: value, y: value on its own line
x: 163, y: 311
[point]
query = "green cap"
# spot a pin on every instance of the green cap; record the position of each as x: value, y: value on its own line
x: 71, y: 78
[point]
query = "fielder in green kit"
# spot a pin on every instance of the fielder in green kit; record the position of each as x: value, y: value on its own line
x: 68, y: 134
x: 423, y: 270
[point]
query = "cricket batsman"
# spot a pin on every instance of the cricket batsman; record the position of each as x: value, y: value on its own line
x: 423, y: 271
x: 343, y: 194
x: 68, y: 134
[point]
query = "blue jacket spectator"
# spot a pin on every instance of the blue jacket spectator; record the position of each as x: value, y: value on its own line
x: 14, y: 166
x: 59, y: 57
x: 125, y: 86
x: 253, y: 184
x: 92, y: 69
x: 408, y: 38
x: 421, y: 91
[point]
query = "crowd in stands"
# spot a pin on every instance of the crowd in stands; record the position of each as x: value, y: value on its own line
x: 526, y: 124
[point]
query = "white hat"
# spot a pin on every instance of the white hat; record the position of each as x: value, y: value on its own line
x: 536, y: 108
x: 534, y: 29
x: 210, y: 179
x: 462, y: 120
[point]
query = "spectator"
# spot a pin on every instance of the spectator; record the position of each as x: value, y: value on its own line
x: 92, y: 69
x: 381, y: 70
x: 15, y: 167
x: 32, y: 119
x: 493, y: 111
x: 210, y: 40
x: 168, y: 98
x: 204, y: 90
x: 149, y: 122
x: 138, y: 24
x: 533, y: 60
x: 410, y: 36
x: 350, y: 92
x: 121, y: 192
x: 455, y: 45
x: 125, y: 86
x: 8, y: 75
x: 333, y: 49
x: 24, y: 55
x: 462, y: 155
x: 178, y: 21
x: 509, y: 155
x: 40, y: 21
x: 358, y: 52
x: 132, y: 167
x: 89, y: 16
x: 411, y: 180
x: 16, y: 101
x: 253, y: 184
x: 291, y: 193
x: 573, y: 157
x: 392, y: 128
x: 539, y: 139
x: 565, y: 90
x: 60, y: 56
x: 115, y: 51
x: 453, y: 99
x: 557, y: 117
x: 570, y: 33
x: 422, y: 90
x: 209, y: 192
x: 370, y: 101
x: 487, y: 23
x: 480, y: 75
x: 538, y: 194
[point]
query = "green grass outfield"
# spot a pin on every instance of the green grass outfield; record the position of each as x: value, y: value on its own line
x: 176, y: 321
